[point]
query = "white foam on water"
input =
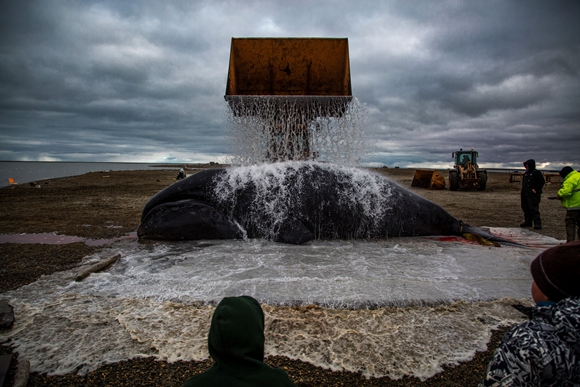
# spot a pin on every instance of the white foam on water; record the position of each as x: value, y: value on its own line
x: 157, y: 301
x: 279, y: 189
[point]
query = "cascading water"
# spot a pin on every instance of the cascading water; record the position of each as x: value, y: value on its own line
x: 273, y: 129
x: 278, y: 140
x: 281, y: 191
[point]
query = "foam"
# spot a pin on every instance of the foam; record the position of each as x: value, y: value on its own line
x: 278, y: 188
x: 157, y: 301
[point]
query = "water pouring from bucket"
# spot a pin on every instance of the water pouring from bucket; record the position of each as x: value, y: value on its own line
x: 291, y: 99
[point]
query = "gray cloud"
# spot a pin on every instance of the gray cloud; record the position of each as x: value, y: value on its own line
x: 144, y: 81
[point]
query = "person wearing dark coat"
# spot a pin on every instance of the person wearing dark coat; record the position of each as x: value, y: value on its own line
x: 544, y: 351
x: 531, y: 194
x: 236, y: 344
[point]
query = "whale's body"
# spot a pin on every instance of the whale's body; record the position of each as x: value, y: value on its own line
x: 292, y: 203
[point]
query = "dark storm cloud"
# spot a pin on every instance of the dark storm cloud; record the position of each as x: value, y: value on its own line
x: 144, y: 80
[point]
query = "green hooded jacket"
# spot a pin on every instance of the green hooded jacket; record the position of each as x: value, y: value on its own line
x: 236, y: 344
x: 570, y: 191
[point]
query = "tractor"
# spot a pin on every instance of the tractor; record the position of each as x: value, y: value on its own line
x: 466, y: 173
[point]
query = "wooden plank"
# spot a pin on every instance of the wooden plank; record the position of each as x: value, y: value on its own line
x: 22, y: 373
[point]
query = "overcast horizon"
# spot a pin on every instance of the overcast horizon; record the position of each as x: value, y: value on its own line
x: 143, y: 81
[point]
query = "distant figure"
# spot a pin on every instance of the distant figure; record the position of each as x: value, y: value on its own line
x: 569, y: 194
x: 544, y: 351
x: 236, y: 344
x: 181, y: 174
x: 532, y: 183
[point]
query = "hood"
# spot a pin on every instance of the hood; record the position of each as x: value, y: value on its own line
x: 531, y: 163
x: 236, y: 335
x: 565, y: 171
x: 565, y: 317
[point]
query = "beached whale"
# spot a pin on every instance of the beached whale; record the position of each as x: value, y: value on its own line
x: 293, y: 202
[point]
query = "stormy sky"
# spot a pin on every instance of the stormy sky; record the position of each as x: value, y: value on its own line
x: 143, y: 81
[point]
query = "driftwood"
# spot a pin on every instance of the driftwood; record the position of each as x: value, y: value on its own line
x: 22, y: 373
x: 97, y: 267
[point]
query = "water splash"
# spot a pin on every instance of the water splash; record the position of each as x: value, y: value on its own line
x: 282, y: 191
x: 282, y: 128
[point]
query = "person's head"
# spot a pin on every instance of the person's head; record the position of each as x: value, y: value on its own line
x: 556, y: 273
x: 236, y: 335
x: 530, y: 164
x: 565, y: 171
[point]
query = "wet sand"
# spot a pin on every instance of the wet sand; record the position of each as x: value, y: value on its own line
x: 105, y: 205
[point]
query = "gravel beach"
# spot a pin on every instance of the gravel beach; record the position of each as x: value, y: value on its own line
x: 107, y: 205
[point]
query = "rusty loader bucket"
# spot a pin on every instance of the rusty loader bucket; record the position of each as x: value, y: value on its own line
x: 288, y: 84
x: 305, y: 70
x: 428, y: 179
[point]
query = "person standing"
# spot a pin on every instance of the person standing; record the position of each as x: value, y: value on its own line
x: 532, y: 183
x: 569, y: 194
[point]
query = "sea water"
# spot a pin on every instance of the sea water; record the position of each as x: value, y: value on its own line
x: 396, y: 307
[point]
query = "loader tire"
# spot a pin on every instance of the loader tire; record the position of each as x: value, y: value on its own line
x: 482, y: 176
x: 453, y: 181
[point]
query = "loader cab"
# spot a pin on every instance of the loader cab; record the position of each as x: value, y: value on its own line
x: 463, y: 157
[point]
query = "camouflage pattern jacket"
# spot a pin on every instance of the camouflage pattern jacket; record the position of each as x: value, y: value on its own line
x: 544, y: 351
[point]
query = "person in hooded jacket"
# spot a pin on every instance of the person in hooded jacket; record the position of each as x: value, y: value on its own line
x: 545, y: 351
x: 532, y: 183
x: 236, y: 344
x: 569, y: 194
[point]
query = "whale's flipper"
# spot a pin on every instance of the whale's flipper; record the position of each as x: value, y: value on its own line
x: 187, y: 220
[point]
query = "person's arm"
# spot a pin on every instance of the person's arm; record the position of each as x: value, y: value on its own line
x: 566, y: 190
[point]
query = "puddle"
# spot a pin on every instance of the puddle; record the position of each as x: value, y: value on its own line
x: 54, y: 239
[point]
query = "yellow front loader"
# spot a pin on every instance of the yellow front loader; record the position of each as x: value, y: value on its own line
x: 466, y: 173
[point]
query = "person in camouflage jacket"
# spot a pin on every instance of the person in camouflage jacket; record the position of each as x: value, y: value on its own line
x: 545, y: 351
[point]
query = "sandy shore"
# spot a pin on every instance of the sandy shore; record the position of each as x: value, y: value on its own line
x: 108, y: 205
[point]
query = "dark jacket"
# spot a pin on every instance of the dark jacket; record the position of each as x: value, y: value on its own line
x: 532, y: 179
x: 236, y: 344
x: 544, y: 351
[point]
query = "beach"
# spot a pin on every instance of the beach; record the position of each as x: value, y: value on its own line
x: 107, y: 205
